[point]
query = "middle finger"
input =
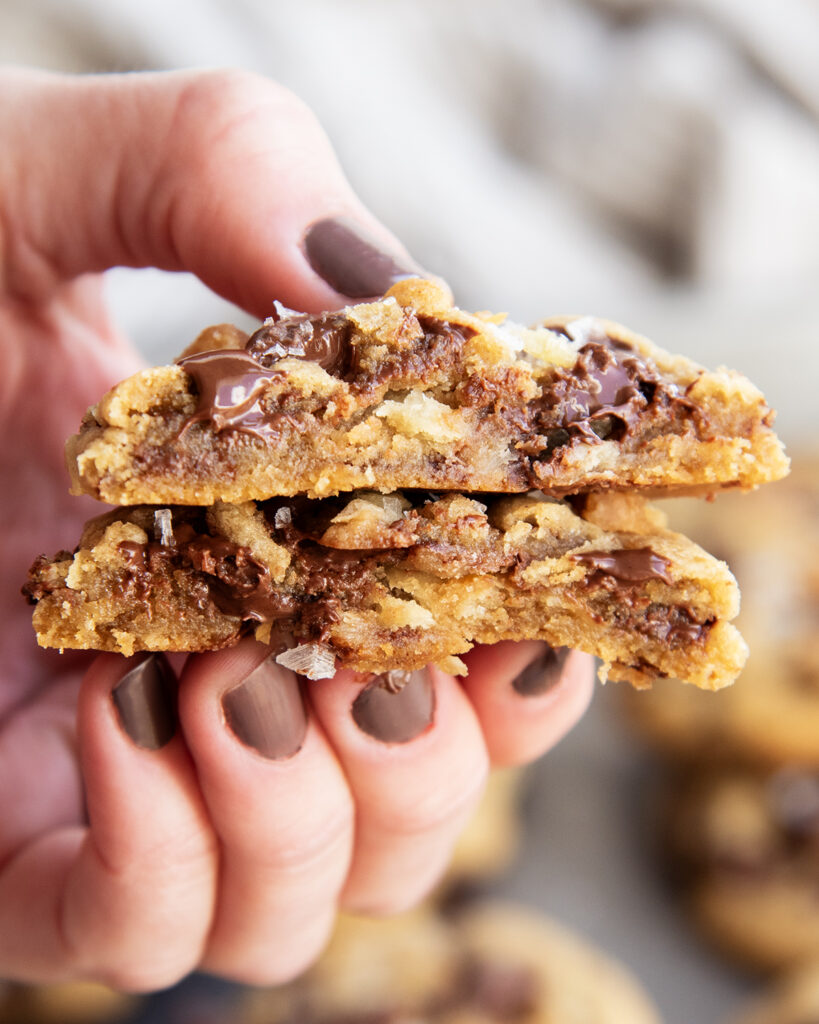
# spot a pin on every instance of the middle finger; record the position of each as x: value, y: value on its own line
x: 280, y: 806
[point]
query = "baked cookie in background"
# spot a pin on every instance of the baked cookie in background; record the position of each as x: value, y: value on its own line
x: 794, y: 1000
x: 771, y: 715
x: 73, y: 1002
x: 743, y: 851
x: 495, y: 963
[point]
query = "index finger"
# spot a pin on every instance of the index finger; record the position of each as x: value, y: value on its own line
x: 221, y: 173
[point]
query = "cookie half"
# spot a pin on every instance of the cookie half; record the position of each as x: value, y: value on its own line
x: 387, y: 583
x: 411, y: 392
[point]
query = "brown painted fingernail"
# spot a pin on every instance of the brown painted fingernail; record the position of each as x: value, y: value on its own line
x: 145, y: 699
x: 542, y: 674
x: 351, y: 260
x: 267, y: 712
x: 396, y: 715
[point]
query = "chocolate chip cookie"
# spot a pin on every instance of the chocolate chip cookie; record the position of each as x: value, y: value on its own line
x: 412, y: 392
x: 391, y: 583
x: 794, y: 1000
x: 745, y: 848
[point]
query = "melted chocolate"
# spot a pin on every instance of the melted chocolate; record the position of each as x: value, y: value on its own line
x: 606, y: 394
x: 230, y: 384
x: 635, y: 565
x: 600, y: 396
x: 674, y: 626
x: 237, y: 584
x: 609, y: 393
x: 323, y: 339
x: 435, y: 353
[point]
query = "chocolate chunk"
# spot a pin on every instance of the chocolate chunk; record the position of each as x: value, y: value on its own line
x: 635, y: 565
x: 606, y: 395
x: 230, y: 385
x: 323, y: 339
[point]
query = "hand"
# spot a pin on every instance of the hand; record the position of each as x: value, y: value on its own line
x: 143, y: 836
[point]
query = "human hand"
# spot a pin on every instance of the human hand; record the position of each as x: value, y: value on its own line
x: 142, y: 834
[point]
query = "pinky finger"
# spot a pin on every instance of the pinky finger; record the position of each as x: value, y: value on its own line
x: 527, y: 696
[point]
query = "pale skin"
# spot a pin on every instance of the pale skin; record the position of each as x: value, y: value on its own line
x: 136, y: 866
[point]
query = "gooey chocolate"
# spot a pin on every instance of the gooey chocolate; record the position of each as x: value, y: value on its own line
x: 241, y: 586
x: 230, y: 383
x: 608, y: 393
x: 617, y: 572
x: 632, y: 565
x: 237, y: 583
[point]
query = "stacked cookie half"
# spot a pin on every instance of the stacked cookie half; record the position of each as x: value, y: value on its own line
x: 384, y: 486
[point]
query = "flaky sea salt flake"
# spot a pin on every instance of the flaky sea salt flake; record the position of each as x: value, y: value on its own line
x: 283, y: 517
x: 585, y: 329
x: 315, y: 661
x: 163, y: 527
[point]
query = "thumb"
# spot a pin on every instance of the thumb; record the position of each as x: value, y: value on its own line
x: 221, y: 173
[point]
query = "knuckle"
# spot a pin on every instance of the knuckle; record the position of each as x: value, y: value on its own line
x: 303, y: 846
x: 147, y: 976
x: 216, y: 102
x: 439, y: 806
x: 275, y: 970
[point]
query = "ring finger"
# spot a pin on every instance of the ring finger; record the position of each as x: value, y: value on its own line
x: 416, y: 763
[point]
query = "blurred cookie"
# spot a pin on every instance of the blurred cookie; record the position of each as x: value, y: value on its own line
x: 795, y: 1000
x: 495, y: 964
x: 744, y: 850
x: 771, y: 714
x: 73, y: 1002
x: 572, y: 981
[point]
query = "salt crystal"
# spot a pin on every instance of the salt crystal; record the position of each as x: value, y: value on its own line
x: 163, y: 527
x: 316, y: 661
x: 585, y: 329
x: 283, y: 517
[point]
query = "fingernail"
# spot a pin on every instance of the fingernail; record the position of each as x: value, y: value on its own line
x: 395, y: 716
x: 145, y: 699
x: 351, y: 261
x: 266, y: 712
x: 541, y: 674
